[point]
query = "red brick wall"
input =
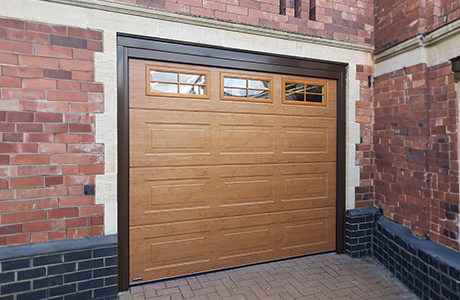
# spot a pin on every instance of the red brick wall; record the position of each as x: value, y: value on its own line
x: 364, y: 193
x: 48, y: 150
x: 399, y: 20
x: 350, y: 20
x: 415, y: 149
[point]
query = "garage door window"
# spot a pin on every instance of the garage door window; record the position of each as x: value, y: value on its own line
x: 255, y: 89
x: 304, y: 93
x: 180, y: 83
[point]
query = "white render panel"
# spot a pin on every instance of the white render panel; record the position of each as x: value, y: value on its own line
x: 133, y: 19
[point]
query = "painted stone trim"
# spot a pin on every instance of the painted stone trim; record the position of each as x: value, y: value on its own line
x: 84, y: 270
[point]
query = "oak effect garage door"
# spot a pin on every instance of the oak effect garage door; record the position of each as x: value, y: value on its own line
x: 227, y: 168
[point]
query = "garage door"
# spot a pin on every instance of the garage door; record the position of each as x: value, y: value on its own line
x: 227, y: 168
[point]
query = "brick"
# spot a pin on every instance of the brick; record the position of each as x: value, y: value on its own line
x: 40, y: 27
x: 92, y: 87
x: 79, y: 180
x: 31, y: 273
x: 34, y: 295
x: 39, y: 237
x: 78, y: 276
x: 63, y: 41
x: 86, y: 148
x: 54, y: 180
x: 63, y: 268
x: 3, y: 184
x: 44, y: 226
x: 39, y: 137
x: 48, y: 117
x: 43, y: 106
x: 76, y: 159
x: 46, y: 260
x: 89, y: 264
x: 91, y: 211
x: 67, y: 138
x: 7, y: 171
x: 70, y: 170
x: 10, y: 229
x: 91, y: 169
x: 7, y: 277
x: 39, y: 83
x: 103, y: 272
x: 68, y: 85
x: 16, y: 47
x: 52, y: 148
x: 29, y: 127
x: 4, y: 159
x: 25, y: 94
x: 29, y: 159
x: 13, y: 137
x: 87, y: 107
x: 66, y: 96
x: 83, y: 76
x: 48, y: 282
x: 27, y: 36
x: 10, y: 23
x: 80, y: 128
x: 76, y: 222
x: 23, y: 217
x: 9, y: 58
x: 39, y: 170
x: 77, y: 255
x: 94, y: 221
x: 18, y: 239
x: 75, y: 190
x: 10, y: 82
x: 7, y: 127
x: 16, y: 287
x: 85, y: 33
x: 21, y: 182
x: 41, y: 192
x: 23, y: 72
x: 94, y: 45
x: 80, y: 65
x: 46, y: 203
x: 57, y: 74
x: 53, y: 51
x: 57, y: 235
x: 38, y: 61
x: 62, y: 213
x: 102, y: 252
x: 76, y: 201
x: 83, y: 54
x: 15, y: 264
x: 56, y: 128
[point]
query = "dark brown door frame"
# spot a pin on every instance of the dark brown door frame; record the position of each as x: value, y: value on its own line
x: 133, y: 47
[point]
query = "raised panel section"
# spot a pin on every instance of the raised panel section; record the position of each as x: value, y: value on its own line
x: 304, y: 139
x: 172, y: 138
x: 304, y: 233
x: 245, y: 190
x: 176, y: 194
x: 176, y: 250
x: 304, y: 186
x: 246, y: 139
x: 241, y: 241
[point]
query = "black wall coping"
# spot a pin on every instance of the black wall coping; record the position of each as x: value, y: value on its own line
x: 57, y: 246
x: 434, y: 249
x: 357, y: 212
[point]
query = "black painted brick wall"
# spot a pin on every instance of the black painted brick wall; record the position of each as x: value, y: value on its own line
x: 78, y: 274
x: 430, y: 270
x: 359, y: 231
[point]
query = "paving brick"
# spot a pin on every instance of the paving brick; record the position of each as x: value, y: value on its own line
x: 326, y: 276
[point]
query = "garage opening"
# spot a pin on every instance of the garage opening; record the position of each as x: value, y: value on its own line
x: 226, y: 166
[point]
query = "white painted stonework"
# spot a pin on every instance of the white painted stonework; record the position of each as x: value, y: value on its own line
x: 434, y: 48
x: 114, y: 17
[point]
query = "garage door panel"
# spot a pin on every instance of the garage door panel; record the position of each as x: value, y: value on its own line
x: 168, y: 250
x: 320, y: 225
x: 139, y: 99
x: 191, y: 193
x: 220, y: 183
x: 182, y: 138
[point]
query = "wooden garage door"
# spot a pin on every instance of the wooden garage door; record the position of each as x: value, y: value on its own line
x: 227, y: 169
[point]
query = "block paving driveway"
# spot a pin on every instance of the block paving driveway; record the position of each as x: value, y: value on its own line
x: 323, y: 276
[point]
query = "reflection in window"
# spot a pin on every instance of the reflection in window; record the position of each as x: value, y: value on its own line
x: 183, y: 84
x: 246, y: 88
x: 300, y: 92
